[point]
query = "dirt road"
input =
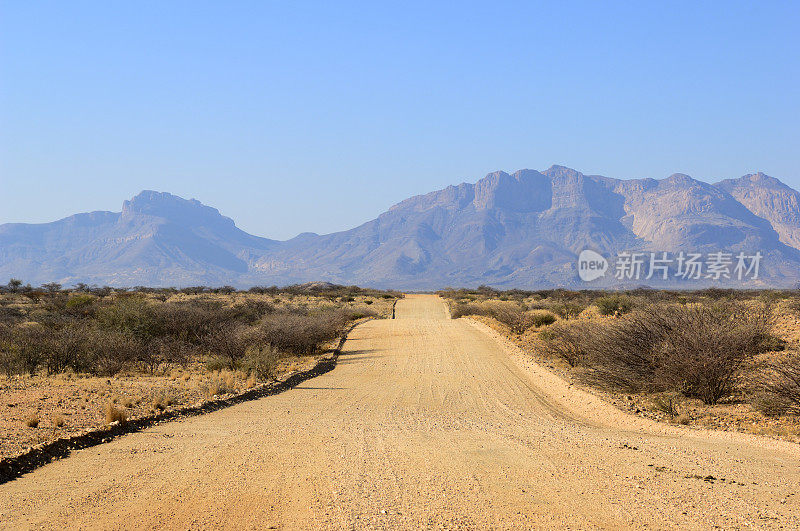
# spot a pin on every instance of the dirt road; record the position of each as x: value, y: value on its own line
x: 425, y: 422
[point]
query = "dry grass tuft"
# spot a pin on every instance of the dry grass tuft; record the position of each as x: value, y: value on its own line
x: 159, y: 403
x: 32, y: 421
x: 221, y: 383
x: 114, y: 414
x: 57, y: 420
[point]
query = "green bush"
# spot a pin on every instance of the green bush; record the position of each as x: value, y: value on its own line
x: 81, y: 304
x: 133, y: 316
x: 262, y: 362
x: 614, y: 305
x: 542, y: 319
x: 567, y: 310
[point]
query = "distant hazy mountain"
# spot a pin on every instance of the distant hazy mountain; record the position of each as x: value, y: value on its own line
x: 520, y: 230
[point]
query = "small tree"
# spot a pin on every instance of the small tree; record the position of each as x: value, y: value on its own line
x: 64, y: 348
x: 31, y: 343
x: 52, y: 287
x: 14, y: 285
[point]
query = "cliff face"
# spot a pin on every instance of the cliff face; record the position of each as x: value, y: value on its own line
x: 770, y: 199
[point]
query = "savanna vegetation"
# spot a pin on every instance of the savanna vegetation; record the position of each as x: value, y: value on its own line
x: 671, y: 351
x: 106, y: 331
x: 70, y: 357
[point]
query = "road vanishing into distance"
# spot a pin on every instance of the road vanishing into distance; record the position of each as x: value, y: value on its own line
x: 426, y: 422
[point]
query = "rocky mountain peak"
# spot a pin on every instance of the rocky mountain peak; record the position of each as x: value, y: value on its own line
x: 523, y: 191
x: 681, y: 179
x: 172, y: 208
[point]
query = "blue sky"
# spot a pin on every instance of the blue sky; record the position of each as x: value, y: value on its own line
x: 300, y: 116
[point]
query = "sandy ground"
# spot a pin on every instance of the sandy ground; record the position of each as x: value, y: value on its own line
x: 740, y: 415
x: 425, y: 423
x: 80, y: 401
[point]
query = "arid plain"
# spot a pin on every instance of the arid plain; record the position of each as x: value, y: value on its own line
x: 426, y: 421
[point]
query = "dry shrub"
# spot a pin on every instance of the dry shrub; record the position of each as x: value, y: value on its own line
x: 114, y: 414
x: 105, y: 331
x: 227, y: 345
x: 358, y: 312
x: 221, y: 383
x: 160, y: 403
x: 462, y: 309
x: 700, y: 351
x: 512, y: 314
x: 794, y: 306
x: 189, y: 322
x: 667, y: 404
x: 30, y: 344
x: 780, y: 384
x: 110, y: 352
x: 568, y: 341
x: 57, y: 420
x: 81, y: 304
x: 214, y: 389
x: 32, y: 420
x: 64, y: 347
x: 250, y: 311
x: 297, y: 333
x: 9, y: 361
x: 262, y: 363
x: 541, y: 318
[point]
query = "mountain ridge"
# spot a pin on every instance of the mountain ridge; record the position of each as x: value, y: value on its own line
x: 522, y: 229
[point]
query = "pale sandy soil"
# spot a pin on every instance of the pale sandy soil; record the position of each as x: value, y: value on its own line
x: 69, y: 404
x: 425, y: 423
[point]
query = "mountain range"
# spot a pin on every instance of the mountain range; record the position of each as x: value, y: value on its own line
x: 521, y: 230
